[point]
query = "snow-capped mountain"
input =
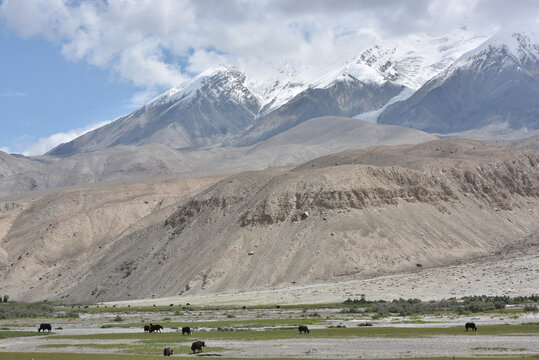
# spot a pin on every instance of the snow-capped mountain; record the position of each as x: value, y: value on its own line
x: 201, y: 112
x: 410, y: 62
x: 365, y: 84
x: 223, y: 106
x: 496, y: 84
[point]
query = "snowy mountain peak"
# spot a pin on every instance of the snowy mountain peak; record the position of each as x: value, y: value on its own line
x: 381, y: 60
x: 416, y: 61
x: 411, y: 63
x: 215, y: 83
x: 522, y: 47
x: 489, y: 91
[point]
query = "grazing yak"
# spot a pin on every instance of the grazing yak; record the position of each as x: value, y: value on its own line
x: 303, y: 329
x: 152, y: 327
x: 186, y: 330
x: 470, y: 325
x: 168, y: 351
x: 44, y: 327
x: 197, y: 345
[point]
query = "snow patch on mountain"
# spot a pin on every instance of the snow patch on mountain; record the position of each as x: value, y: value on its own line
x: 372, y: 116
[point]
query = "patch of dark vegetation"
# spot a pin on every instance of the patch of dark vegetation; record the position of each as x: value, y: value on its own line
x: 352, y: 310
x: 465, y: 305
x: 13, y: 310
x: 69, y: 314
x: 364, y: 324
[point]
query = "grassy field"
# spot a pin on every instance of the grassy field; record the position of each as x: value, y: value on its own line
x: 11, y: 334
x: 65, y: 356
x: 68, y: 356
x: 470, y: 304
x: 158, y: 337
x: 394, y: 332
x: 142, y: 349
x: 376, y: 309
x: 243, y: 325
x: 226, y: 323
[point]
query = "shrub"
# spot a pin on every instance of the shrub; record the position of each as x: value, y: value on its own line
x: 366, y: 323
x: 466, y: 305
x: 349, y: 301
x: 13, y: 310
x: 70, y: 314
x: 352, y: 310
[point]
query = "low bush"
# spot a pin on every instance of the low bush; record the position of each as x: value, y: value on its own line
x: 12, y: 310
x: 465, y: 305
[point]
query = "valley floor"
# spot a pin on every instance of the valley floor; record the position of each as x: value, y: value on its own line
x: 272, y: 333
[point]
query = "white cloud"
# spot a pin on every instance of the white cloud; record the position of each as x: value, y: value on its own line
x: 161, y: 43
x: 5, y: 149
x: 142, y: 97
x: 45, y: 144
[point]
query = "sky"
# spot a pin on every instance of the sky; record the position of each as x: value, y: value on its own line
x: 69, y: 66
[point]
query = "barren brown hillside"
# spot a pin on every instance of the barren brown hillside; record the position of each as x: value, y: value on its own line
x: 44, y: 238
x: 347, y: 216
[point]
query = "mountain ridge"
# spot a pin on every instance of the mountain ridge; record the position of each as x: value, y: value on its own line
x: 222, y: 106
x: 496, y: 84
x: 312, y: 138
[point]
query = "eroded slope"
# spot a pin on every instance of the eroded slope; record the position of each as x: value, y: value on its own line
x: 346, y: 216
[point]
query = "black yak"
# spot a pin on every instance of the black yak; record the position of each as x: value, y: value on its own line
x: 44, y: 327
x: 197, y: 345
